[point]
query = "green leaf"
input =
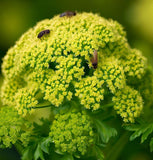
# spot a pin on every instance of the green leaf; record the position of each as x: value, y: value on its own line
x: 101, y: 145
x: 59, y: 152
x: 151, y: 145
x: 105, y: 131
x: 67, y: 157
x: 36, y: 149
x: 38, y: 153
x: 132, y: 127
x: 146, y: 134
x: 137, y: 133
x: 45, y: 144
x: 143, y: 130
x: 99, y: 153
x: 43, y: 128
x: 77, y: 155
x: 27, y: 154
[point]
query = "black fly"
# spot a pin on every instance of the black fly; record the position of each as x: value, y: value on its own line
x: 47, y: 31
x: 68, y: 14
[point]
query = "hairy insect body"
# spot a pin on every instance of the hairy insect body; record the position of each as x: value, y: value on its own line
x: 94, y: 59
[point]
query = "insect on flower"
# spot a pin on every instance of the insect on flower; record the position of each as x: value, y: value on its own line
x: 68, y: 14
x: 47, y: 31
x: 94, y: 59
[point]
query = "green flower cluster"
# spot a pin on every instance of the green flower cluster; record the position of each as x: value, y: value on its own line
x: 128, y: 104
x: 111, y: 73
x: 72, y: 132
x: 57, y: 70
x: 13, y: 128
x: 58, y: 86
x: 57, y: 63
x: 25, y: 100
x: 8, y: 90
x: 134, y: 64
x: 90, y: 92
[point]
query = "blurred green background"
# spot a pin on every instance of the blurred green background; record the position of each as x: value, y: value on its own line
x: 17, y: 16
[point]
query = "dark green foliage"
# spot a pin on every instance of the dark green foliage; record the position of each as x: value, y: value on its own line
x: 105, y: 132
x: 151, y: 145
x: 37, y: 149
x: 99, y: 153
x: 143, y: 130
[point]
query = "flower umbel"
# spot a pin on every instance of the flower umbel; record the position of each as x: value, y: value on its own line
x: 13, y: 128
x: 80, y: 69
x: 128, y: 104
x: 60, y: 62
x: 72, y: 132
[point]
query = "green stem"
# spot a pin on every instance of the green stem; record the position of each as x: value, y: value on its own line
x: 108, y: 105
x: 117, y: 148
x: 42, y: 105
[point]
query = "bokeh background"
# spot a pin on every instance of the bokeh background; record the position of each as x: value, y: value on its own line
x: 17, y: 16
